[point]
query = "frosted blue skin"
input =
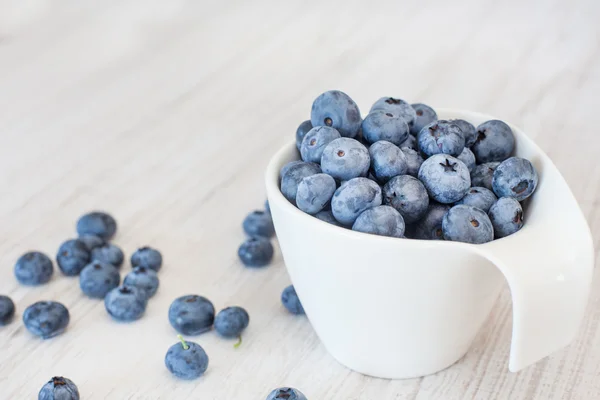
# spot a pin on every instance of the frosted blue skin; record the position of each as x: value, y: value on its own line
x: 385, y: 125
x: 46, y: 319
x: 72, y: 256
x: 495, y: 142
x: 290, y: 301
x: 410, y: 142
x: 97, y: 223
x: 467, y: 224
x: 188, y: 363
x: 430, y: 226
x: 315, y: 141
x: 293, y: 175
x: 345, y: 159
x: 468, y: 158
x: 191, y: 314
x: 259, y: 223
x: 92, y: 241
x: 337, y: 110
x: 382, y: 221
x: 446, y: 178
x: 302, y: 130
x: 287, y: 167
x: 256, y: 252
x: 468, y: 131
x: 516, y: 177
x: 286, y: 393
x: 59, y: 388
x: 506, y: 216
x: 425, y: 115
x: 315, y: 193
x: 33, y: 268
x: 441, y: 137
x: 354, y: 197
x: 143, y: 278
x: 327, y: 216
x: 387, y: 161
x: 482, y: 175
x: 231, y: 321
x: 147, y: 257
x: 397, y: 107
x: 109, y: 253
x: 126, y: 303
x: 98, y: 278
x: 479, y: 197
x: 413, y: 161
x: 408, y: 196
x: 7, y: 310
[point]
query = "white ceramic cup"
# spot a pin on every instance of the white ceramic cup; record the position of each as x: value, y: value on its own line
x: 401, y: 308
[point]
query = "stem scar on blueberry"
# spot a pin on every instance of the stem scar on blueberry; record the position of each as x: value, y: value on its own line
x: 389, y: 114
x: 521, y: 187
x: 312, y: 142
x: 448, y: 167
x: 341, y: 153
x: 475, y: 223
x: 328, y: 121
x: 420, y: 113
x: 480, y: 136
x: 239, y: 342
x: 392, y: 100
x: 518, y: 217
x: 183, y: 342
x: 438, y: 232
x: 58, y: 381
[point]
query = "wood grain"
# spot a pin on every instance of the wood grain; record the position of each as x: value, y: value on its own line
x: 166, y: 113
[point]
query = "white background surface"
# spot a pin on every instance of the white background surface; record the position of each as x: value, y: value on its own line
x: 166, y: 113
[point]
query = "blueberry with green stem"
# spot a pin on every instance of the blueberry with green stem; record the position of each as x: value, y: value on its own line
x: 34, y: 268
x: 46, y: 319
x: 231, y: 322
x: 7, y: 310
x: 191, y: 314
x: 186, y: 360
x: 59, y: 388
x: 97, y: 223
x: 147, y: 257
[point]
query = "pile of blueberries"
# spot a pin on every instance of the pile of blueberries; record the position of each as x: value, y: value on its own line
x: 403, y: 173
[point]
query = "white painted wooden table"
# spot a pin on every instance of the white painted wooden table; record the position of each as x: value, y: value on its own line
x: 166, y: 113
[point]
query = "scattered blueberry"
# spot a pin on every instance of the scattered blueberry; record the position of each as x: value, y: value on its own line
x: 407, y: 195
x: 315, y: 192
x: 147, y: 257
x: 446, y: 178
x: 286, y: 393
x: 143, y: 278
x: 293, y: 175
x: 327, y: 216
x: 483, y: 173
x: 259, y: 223
x: 410, y: 142
x: 413, y: 161
x: 34, y: 268
x: 479, y: 197
x: 337, y: 110
x: 109, y: 253
x: 92, y: 241
x: 290, y: 300
x: 430, y: 226
x: 98, y: 278
x: 425, y: 115
x: 231, y: 321
x: 302, y: 130
x: 191, y: 314
x: 396, y: 106
x: 468, y: 158
x: 380, y: 220
x: 441, y: 137
x: 186, y: 360
x: 515, y: 177
x: 59, y: 388
x: 345, y: 159
x: 467, y: 224
x: 7, y: 310
x: 46, y: 319
x: 97, y: 223
x: 506, y: 216
x: 354, y: 197
x: 387, y: 161
x: 256, y: 252
x: 315, y: 141
x: 495, y: 142
x: 72, y: 256
x: 468, y: 131
x: 385, y: 125
x: 126, y: 303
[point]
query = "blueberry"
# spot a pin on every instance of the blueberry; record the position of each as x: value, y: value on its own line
x: 337, y: 110
x: 46, y: 319
x: 72, y: 256
x: 126, y: 303
x: 293, y: 175
x: 479, y: 197
x: 494, y: 142
x: 302, y: 130
x: 345, y: 159
x: 97, y: 223
x: 259, y: 223
x: 482, y: 175
x: 396, y: 106
x: 354, y: 197
x: 147, y: 257
x: 407, y: 195
x: 425, y: 115
x: 413, y: 161
x: 98, y: 278
x: 191, y: 314
x: 143, y: 278
x: 315, y: 141
x: 59, y: 388
x: 468, y: 131
x: 186, y: 360
x: 92, y: 241
x: 507, y: 216
x: 430, y: 226
x: 256, y: 252
x: 385, y: 125
x: 387, y: 161
x: 315, y: 192
x: 287, y: 167
x: 516, y: 177
x: 109, y: 253
x: 410, y: 142
x: 446, y: 178
x: 286, y: 393
x: 441, y: 137
x: 468, y: 158
x: 33, y: 268
x: 327, y: 216
x: 7, y: 310
x: 380, y: 220
x: 231, y: 321
x: 467, y: 224
x: 290, y: 300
